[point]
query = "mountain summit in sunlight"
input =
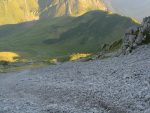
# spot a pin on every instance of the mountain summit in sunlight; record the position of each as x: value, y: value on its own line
x: 70, y: 7
x: 16, y: 11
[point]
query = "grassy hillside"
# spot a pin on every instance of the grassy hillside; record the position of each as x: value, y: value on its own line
x: 54, y: 37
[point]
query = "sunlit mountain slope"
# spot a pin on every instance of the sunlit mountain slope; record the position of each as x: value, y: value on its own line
x: 16, y: 11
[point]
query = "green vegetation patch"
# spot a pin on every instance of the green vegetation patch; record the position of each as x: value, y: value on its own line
x: 63, y: 36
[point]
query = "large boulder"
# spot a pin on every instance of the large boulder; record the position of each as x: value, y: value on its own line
x: 136, y: 35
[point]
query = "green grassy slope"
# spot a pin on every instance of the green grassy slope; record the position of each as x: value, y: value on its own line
x: 98, y: 30
x: 51, y: 37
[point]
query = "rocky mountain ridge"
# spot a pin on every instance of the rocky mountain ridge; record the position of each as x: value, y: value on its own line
x: 57, y: 8
x: 16, y: 11
x: 136, y: 35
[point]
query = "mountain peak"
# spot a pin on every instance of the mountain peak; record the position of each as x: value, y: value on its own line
x: 15, y: 11
x: 70, y: 7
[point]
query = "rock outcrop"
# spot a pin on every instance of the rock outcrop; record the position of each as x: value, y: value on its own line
x: 56, y: 8
x: 136, y: 35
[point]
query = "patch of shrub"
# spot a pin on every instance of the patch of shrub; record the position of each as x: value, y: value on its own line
x: 8, y: 57
x: 77, y: 56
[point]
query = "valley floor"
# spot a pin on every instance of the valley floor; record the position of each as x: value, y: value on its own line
x: 114, y: 85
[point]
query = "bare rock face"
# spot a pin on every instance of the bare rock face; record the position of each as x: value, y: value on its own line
x: 56, y: 8
x: 136, y: 35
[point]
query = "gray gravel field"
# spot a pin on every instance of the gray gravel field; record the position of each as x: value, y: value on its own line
x: 114, y: 85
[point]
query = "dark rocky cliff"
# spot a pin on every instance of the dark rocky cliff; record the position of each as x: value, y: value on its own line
x: 136, y: 35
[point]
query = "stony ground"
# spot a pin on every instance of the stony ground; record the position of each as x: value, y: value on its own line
x: 114, y: 85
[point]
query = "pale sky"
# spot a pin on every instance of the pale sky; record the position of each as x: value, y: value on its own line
x: 133, y: 8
